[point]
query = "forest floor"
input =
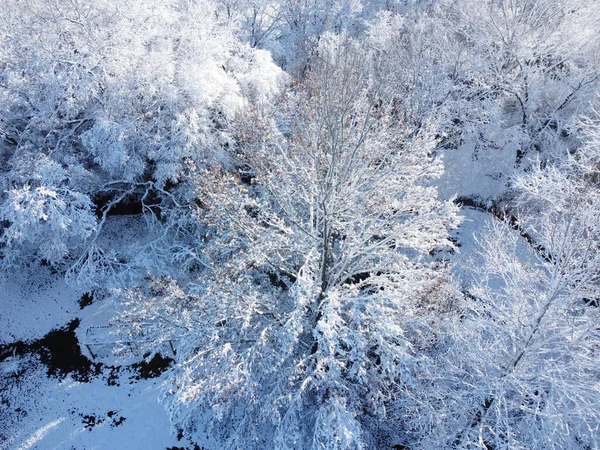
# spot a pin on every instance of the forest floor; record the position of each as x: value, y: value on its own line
x: 53, y: 395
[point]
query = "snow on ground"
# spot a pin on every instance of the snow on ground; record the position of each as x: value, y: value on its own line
x: 468, y: 261
x: 474, y: 224
x: 101, y: 407
x: 470, y: 171
x: 114, y: 408
x: 67, y: 414
x: 34, y: 301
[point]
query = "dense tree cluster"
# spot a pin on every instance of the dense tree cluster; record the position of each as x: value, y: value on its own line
x: 299, y: 168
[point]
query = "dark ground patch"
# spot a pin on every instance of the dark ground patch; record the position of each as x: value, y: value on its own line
x: 86, y: 300
x: 192, y: 445
x: 112, y: 379
x: 151, y: 369
x: 89, y: 421
x: 115, y: 421
x: 195, y: 447
x: 59, y: 351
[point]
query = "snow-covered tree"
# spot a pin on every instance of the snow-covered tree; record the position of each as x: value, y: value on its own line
x: 51, y: 220
x: 320, y: 293
x: 522, y: 71
x: 294, y: 232
x: 521, y: 369
x: 111, y: 103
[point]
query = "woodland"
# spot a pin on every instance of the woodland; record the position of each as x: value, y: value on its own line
x: 298, y: 181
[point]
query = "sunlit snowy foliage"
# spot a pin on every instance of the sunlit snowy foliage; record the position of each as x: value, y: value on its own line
x: 353, y: 224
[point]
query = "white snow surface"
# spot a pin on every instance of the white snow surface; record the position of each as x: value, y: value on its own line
x: 53, y: 414
x: 481, y: 173
x: 33, y: 302
x: 45, y: 413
